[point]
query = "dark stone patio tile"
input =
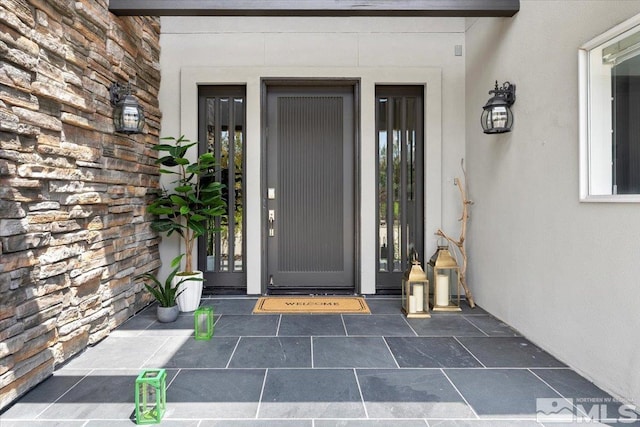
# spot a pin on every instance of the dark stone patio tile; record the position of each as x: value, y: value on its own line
x: 215, y: 393
x: 377, y: 325
x: 105, y: 394
x: 504, y: 352
x: 385, y: 305
x: 38, y: 399
x: 32, y: 423
x: 590, y: 422
x: 430, y: 352
x: 351, y: 352
x: 500, y: 392
x: 135, y: 326
x: 492, y: 326
x: 465, y: 310
x: 370, y: 423
x: 252, y: 326
x: 410, y: 393
x: 187, y: 352
x: 483, y: 423
x: 182, y: 327
x: 118, y: 352
x: 589, y: 399
x: 258, y: 423
x: 165, y: 423
x: 445, y: 326
x: 569, y: 384
x: 311, y: 325
x: 230, y: 305
x: 272, y: 352
x: 311, y: 393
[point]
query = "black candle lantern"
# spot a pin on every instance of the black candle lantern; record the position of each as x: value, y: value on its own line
x: 496, y: 115
x: 128, y: 115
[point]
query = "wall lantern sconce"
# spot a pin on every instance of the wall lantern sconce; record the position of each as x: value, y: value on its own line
x: 496, y: 115
x: 128, y: 115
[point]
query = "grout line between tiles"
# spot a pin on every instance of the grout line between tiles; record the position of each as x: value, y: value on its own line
x: 233, y: 353
x: 264, y: 382
x: 460, y: 393
x: 312, y: 361
x: 174, y: 378
x: 166, y: 340
x: 410, y: 327
x: 364, y: 405
x: 469, y: 351
x: 278, y: 327
x: 344, y: 326
x: 392, y: 355
x: 556, y: 391
x: 65, y: 393
x: 475, y: 326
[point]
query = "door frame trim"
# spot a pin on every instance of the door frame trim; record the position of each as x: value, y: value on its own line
x: 182, y: 119
x: 354, y: 83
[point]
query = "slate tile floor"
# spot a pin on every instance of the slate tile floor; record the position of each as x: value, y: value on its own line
x: 454, y: 370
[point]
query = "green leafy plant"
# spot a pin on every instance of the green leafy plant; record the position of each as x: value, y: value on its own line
x: 165, y: 293
x: 195, y: 200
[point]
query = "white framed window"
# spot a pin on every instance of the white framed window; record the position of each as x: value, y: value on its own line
x: 610, y: 115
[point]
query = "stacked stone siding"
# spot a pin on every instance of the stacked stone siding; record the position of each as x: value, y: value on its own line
x: 73, y: 229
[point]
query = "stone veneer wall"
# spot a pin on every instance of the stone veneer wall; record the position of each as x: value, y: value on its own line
x: 73, y: 228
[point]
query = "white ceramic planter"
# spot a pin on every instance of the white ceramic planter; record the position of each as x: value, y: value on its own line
x: 189, y: 299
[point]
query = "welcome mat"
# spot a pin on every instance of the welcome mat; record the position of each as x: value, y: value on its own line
x: 302, y: 305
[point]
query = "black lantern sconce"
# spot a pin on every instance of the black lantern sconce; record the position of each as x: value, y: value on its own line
x: 496, y: 115
x: 128, y: 115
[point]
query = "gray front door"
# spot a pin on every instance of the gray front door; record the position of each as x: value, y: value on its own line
x: 310, y: 189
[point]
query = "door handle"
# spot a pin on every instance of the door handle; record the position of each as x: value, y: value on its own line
x: 271, y: 221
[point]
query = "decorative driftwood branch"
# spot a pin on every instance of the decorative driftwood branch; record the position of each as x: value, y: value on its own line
x: 459, y: 244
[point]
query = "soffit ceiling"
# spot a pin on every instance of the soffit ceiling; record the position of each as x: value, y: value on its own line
x: 440, y: 8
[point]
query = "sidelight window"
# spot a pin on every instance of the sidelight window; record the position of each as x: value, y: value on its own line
x: 399, y: 139
x: 222, y: 132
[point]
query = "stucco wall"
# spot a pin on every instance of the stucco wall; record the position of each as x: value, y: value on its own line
x: 564, y: 273
x: 376, y: 50
x: 73, y: 228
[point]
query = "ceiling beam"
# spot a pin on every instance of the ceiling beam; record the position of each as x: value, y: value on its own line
x: 445, y: 8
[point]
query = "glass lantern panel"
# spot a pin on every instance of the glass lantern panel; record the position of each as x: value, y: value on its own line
x: 130, y: 117
x: 446, y: 287
x: 150, y: 396
x: 203, y: 323
x: 383, y: 264
x: 442, y: 288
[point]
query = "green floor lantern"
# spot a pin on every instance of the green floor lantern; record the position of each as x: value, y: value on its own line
x: 151, y: 396
x: 203, y: 319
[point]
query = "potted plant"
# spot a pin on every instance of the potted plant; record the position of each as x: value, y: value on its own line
x: 165, y: 294
x: 188, y: 209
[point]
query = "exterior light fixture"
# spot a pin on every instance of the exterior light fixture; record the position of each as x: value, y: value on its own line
x: 415, y: 291
x: 496, y: 115
x: 128, y: 115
